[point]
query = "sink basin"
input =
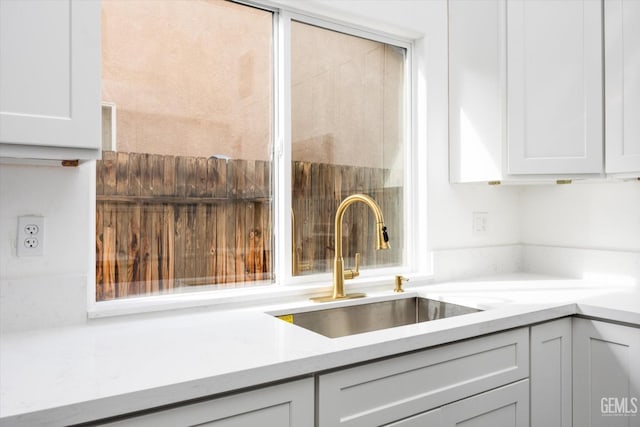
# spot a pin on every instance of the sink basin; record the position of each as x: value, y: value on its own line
x: 356, y: 319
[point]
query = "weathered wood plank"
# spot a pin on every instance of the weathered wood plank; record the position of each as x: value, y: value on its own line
x: 180, y: 232
x: 230, y: 241
x: 192, y: 177
x: 201, y: 177
x: 261, y: 189
x: 181, y: 176
x: 168, y: 248
x: 211, y: 250
x: 146, y: 175
x: 133, y: 265
x: 201, y: 249
x: 99, y: 252
x: 217, y: 177
x: 190, y: 245
x: 135, y: 176
x: 249, y: 186
x: 122, y: 173
x: 156, y: 236
x: 169, y: 180
x: 221, y: 243
x: 122, y: 227
x: 122, y: 250
x: 109, y: 166
x: 173, y: 200
x: 108, y: 264
x: 240, y: 244
x: 146, y: 230
x: 250, y: 238
x: 100, y: 173
x: 157, y: 174
x: 264, y: 267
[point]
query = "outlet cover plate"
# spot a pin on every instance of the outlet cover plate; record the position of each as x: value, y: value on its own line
x: 30, y: 240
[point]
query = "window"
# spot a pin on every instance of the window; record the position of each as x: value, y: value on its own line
x: 347, y: 136
x: 185, y: 196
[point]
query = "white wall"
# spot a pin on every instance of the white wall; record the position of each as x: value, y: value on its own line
x: 591, y: 216
x: 50, y: 290
x: 582, y: 230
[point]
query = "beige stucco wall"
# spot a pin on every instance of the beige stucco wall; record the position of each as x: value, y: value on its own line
x: 188, y: 77
x: 195, y: 78
x: 346, y: 96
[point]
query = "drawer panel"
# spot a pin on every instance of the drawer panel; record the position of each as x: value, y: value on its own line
x: 384, y: 391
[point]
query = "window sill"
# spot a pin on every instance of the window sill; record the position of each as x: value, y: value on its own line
x: 246, y: 297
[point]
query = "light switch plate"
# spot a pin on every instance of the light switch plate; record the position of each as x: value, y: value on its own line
x: 480, y: 223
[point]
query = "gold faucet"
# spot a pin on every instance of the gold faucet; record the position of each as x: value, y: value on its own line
x: 339, y: 274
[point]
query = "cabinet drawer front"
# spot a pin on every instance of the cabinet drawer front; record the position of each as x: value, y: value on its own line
x: 284, y: 405
x: 385, y: 391
x: 505, y: 407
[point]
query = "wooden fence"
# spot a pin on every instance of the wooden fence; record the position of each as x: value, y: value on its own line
x: 165, y: 222
x: 318, y: 190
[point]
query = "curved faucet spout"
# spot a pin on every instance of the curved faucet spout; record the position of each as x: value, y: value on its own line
x: 382, y: 242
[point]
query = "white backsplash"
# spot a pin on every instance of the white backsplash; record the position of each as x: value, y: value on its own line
x: 594, y: 264
x: 42, y: 302
x: 456, y: 264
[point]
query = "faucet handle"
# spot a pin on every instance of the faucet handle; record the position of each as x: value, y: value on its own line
x: 350, y: 274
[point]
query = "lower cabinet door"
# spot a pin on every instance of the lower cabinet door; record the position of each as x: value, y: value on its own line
x: 506, y: 406
x: 551, y: 374
x: 285, y: 405
x: 606, y: 374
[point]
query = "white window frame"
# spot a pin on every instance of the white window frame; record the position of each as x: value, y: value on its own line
x: 416, y: 262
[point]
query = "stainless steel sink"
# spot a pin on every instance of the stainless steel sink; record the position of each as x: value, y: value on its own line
x: 356, y: 319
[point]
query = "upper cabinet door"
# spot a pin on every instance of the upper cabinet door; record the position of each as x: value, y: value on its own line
x: 622, y: 85
x: 477, y: 97
x: 49, y: 77
x: 554, y: 86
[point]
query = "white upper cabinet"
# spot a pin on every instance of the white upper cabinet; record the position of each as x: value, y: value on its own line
x: 622, y: 85
x: 554, y: 86
x: 526, y: 90
x: 50, y: 79
x: 476, y: 89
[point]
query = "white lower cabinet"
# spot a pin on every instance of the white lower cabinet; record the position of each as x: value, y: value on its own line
x: 506, y: 406
x: 285, y: 405
x: 392, y: 390
x: 431, y: 418
x: 550, y: 376
x: 606, y: 374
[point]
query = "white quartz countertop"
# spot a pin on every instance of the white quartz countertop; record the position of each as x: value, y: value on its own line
x: 106, y: 368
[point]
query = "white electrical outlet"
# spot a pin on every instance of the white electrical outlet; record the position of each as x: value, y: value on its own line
x: 480, y: 223
x: 30, y: 240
